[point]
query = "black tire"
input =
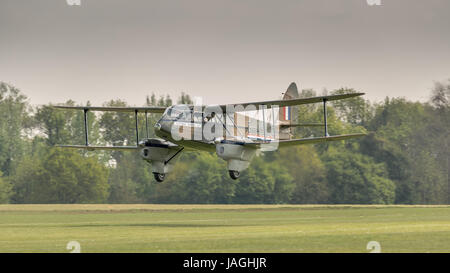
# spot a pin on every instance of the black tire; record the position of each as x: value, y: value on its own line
x: 159, y: 177
x: 234, y: 174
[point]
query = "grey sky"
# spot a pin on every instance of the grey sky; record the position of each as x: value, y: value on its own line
x: 224, y: 51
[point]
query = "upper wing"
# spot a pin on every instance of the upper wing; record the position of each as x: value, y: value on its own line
x: 148, y: 109
x: 161, y: 109
x: 312, y: 140
x: 282, y: 103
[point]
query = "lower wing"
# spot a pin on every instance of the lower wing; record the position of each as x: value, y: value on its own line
x: 312, y: 140
x: 92, y: 148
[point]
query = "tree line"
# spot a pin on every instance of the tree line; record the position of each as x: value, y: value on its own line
x: 404, y: 159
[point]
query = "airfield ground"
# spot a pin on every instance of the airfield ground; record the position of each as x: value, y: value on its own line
x: 224, y: 228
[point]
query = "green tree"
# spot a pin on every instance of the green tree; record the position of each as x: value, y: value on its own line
x: 173, y: 188
x: 61, y: 176
x: 309, y: 175
x: 197, y: 178
x: 54, y: 123
x: 408, y: 141
x: 439, y: 129
x: 14, y: 119
x: 264, y: 182
x: 118, y: 128
x: 65, y: 126
x: 354, y: 178
x: 355, y: 111
x: 131, y: 181
x: 6, y: 190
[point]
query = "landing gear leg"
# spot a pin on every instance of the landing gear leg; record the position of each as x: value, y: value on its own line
x: 159, y: 177
x: 234, y: 174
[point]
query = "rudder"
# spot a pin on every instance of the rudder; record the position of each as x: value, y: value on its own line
x: 288, y: 113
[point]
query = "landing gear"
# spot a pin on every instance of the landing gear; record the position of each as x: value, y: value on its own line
x: 234, y: 174
x: 159, y: 177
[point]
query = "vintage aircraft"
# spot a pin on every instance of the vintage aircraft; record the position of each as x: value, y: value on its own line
x: 183, y: 126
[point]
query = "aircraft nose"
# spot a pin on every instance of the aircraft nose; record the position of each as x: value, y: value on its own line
x: 158, y: 126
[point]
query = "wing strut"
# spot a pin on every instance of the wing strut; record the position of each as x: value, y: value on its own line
x: 179, y: 151
x: 87, y: 146
x: 146, y: 123
x: 264, y: 121
x: 325, y: 116
x: 85, y: 111
x: 137, y: 128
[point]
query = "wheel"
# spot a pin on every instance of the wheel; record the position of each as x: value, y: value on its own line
x: 159, y: 177
x: 234, y: 174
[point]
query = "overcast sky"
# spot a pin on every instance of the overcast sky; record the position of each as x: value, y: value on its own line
x: 224, y: 51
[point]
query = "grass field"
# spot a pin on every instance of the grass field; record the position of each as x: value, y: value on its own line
x: 223, y: 228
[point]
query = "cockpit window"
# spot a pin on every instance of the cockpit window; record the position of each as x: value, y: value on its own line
x: 178, y: 112
x: 168, y: 109
x: 197, y: 117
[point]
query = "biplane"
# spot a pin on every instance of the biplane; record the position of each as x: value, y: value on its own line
x: 235, y: 132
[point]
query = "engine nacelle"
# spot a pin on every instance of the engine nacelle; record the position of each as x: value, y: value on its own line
x: 229, y: 151
x: 237, y: 156
x: 154, y: 153
x: 160, y: 154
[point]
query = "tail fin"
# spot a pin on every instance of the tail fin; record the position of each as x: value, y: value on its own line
x: 288, y: 113
x: 291, y: 92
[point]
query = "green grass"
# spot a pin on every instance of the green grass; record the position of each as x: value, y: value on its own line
x: 223, y: 228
